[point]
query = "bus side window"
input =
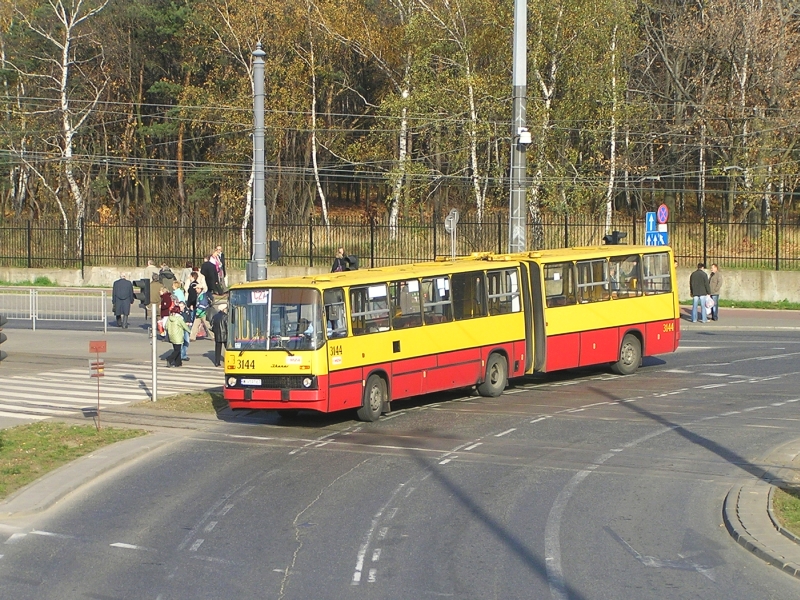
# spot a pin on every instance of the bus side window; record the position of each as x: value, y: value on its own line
x: 559, y: 284
x: 656, y: 277
x: 503, y: 292
x: 405, y: 304
x: 436, y: 304
x: 624, y: 276
x: 469, y: 295
x: 369, y: 309
x: 335, y: 313
x: 593, y: 282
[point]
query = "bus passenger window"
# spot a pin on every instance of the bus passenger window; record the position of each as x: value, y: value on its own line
x: 469, y: 296
x: 624, y: 276
x: 656, y: 268
x: 436, y: 304
x: 593, y: 282
x: 369, y: 309
x: 405, y: 304
x: 559, y: 284
x: 335, y: 313
x: 503, y: 292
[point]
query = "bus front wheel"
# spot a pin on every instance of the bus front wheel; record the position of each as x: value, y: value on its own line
x: 496, y: 377
x: 375, y: 397
x: 630, y: 355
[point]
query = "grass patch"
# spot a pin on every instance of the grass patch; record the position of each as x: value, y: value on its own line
x: 29, y: 451
x: 782, y: 305
x: 786, y: 506
x: 196, y: 402
x: 38, y: 282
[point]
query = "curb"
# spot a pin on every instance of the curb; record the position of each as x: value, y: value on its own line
x: 738, y: 531
x: 43, y: 493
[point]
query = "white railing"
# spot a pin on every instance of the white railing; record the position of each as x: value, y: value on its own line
x: 54, y: 305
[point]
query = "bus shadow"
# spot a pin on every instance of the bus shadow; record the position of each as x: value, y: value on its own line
x: 728, y: 455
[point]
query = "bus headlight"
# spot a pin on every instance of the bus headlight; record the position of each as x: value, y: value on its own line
x: 307, y: 382
x: 231, y: 381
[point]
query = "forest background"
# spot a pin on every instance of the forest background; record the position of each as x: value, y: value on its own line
x: 116, y: 112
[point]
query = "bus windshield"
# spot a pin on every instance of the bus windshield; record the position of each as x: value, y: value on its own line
x: 275, y: 319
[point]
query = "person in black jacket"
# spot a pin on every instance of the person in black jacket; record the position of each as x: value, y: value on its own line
x: 121, y: 299
x: 209, y: 270
x: 219, y: 325
x: 700, y: 290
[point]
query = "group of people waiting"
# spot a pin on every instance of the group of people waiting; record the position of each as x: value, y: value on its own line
x: 705, y: 292
x: 192, y: 306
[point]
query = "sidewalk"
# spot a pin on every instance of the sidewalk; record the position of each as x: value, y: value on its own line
x: 747, y: 511
x: 744, y: 319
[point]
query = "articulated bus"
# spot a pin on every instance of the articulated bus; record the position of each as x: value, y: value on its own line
x: 362, y: 339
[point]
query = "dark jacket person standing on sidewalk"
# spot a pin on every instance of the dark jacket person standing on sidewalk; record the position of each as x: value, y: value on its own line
x: 219, y: 325
x: 700, y: 290
x: 121, y: 299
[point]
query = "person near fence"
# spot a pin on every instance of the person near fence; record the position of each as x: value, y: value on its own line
x: 151, y: 269
x: 175, y: 329
x: 340, y: 262
x: 699, y: 288
x: 186, y: 272
x: 715, y: 285
x: 121, y: 299
x: 219, y: 325
x: 166, y: 276
x: 209, y: 270
x: 223, y: 271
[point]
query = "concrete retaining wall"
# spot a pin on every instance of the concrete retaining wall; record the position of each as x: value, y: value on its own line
x: 768, y: 286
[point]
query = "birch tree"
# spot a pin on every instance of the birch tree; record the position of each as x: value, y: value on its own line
x: 75, y: 76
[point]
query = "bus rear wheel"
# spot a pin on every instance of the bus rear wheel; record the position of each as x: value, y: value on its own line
x: 630, y: 355
x: 496, y: 377
x: 375, y: 398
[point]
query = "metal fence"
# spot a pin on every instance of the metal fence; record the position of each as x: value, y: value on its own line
x: 775, y: 245
x: 54, y: 305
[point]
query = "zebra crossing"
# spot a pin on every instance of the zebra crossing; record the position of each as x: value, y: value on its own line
x: 67, y: 392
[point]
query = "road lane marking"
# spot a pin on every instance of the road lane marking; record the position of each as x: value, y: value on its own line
x: 506, y: 432
x: 473, y: 446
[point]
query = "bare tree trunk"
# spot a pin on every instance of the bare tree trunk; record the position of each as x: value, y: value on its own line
x: 322, y: 200
x: 612, y: 166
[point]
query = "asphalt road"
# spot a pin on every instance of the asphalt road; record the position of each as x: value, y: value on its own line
x: 579, y: 486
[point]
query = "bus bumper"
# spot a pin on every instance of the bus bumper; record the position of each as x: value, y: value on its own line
x: 259, y: 399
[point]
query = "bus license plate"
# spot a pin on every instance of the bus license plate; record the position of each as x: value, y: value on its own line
x: 244, y: 381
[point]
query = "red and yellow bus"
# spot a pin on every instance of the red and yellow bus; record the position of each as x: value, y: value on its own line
x: 362, y: 339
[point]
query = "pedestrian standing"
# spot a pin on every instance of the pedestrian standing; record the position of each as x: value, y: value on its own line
x: 715, y: 285
x: 209, y: 270
x: 221, y: 258
x: 175, y: 329
x: 121, y: 299
x: 700, y: 290
x: 219, y: 325
x: 340, y: 262
x: 188, y: 318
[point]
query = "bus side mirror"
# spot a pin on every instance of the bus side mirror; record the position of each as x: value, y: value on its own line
x: 352, y: 262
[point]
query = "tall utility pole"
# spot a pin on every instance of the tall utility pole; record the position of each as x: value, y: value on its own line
x: 520, y: 136
x: 257, y: 268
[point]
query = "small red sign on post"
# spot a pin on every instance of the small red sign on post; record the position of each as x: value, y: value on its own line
x: 98, y: 346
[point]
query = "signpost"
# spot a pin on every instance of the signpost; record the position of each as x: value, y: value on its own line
x: 97, y: 367
x: 656, y: 233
